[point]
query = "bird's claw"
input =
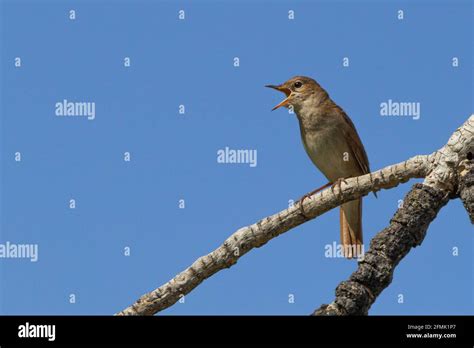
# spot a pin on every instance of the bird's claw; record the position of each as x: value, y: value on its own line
x: 301, y: 200
x: 338, y: 183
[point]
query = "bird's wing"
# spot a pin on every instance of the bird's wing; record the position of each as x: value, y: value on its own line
x: 355, y: 144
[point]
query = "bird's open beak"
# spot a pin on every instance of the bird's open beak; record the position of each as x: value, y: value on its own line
x: 287, y: 92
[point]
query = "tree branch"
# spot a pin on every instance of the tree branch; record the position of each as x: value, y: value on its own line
x: 256, y: 235
x: 407, y: 230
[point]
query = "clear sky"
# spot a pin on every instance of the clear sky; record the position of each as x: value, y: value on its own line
x: 190, y: 62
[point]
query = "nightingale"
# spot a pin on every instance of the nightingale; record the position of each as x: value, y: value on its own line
x: 333, y: 145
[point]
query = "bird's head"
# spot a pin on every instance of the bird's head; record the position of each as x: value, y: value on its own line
x: 298, y: 90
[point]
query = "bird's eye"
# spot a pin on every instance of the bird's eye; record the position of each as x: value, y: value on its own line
x: 298, y: 84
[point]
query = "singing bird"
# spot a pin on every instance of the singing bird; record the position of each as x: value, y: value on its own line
x: 333, y: 145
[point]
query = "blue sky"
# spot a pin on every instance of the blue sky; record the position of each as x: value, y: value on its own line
x: 135, y: 204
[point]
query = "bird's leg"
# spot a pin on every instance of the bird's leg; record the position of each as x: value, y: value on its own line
x: 301, y: 200
x: 338, y: 183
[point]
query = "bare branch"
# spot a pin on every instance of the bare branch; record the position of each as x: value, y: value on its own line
x: 256, y: 235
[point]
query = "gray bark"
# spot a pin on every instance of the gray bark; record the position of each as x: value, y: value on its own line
x: 258, y: 234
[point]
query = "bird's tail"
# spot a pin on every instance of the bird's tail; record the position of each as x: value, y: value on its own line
x: 351, y: 229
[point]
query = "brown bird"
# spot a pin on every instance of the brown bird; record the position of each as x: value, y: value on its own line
x: 333, y: 145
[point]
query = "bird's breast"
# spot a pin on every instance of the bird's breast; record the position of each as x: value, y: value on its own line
x: 328, y: 150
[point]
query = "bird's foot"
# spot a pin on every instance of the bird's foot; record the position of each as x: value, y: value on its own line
x: 301, y: 200
x: 338, y: 184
